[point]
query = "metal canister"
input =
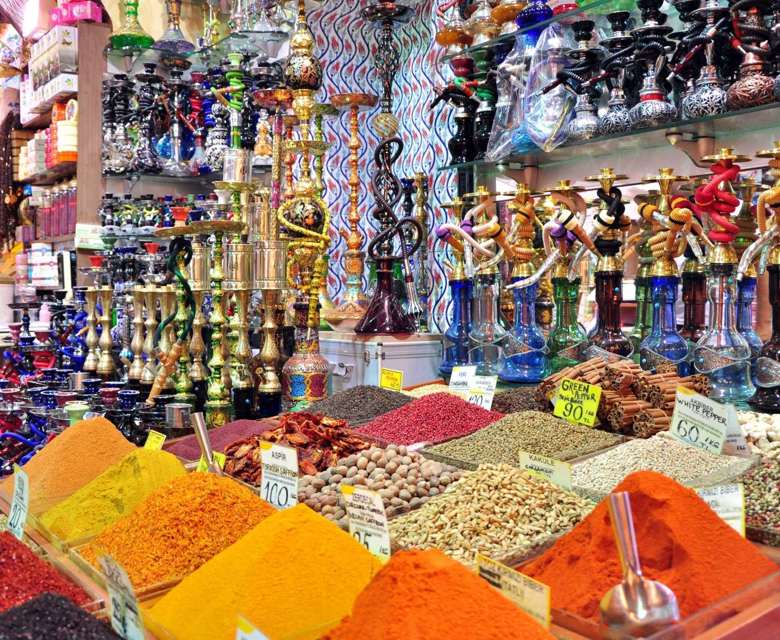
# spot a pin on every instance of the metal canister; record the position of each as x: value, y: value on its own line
x: 237, y: 266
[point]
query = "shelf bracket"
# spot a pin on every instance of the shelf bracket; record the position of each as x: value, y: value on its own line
x: 692, y: 145
x: 527, y: 174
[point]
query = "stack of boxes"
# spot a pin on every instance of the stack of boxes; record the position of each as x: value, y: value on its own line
x: 53, y: 72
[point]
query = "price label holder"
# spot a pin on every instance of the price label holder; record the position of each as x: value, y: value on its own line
x: 556, y: 471
x: 391, y: 379
x: 531, y: 596
x: 728, y: 501
x: 280, y: 475
x: 700, y: 422
x: 203, y: 464
x: 577, y: 402
x: 20, y: 503
x: 154, y: 440
x: 367, y: 519
x: 461, y: 378
x: 245, y: 630
x: 482, y: 390
x: 125, y: 616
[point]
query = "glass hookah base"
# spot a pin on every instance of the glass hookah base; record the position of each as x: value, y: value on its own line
x: 268, y: 405
x: 766, y: 400
x: 385, y: 315
x: 523, y: 368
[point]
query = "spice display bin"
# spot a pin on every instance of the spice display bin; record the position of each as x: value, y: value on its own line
x: 357, y: 359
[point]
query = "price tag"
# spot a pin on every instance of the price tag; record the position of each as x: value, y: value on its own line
x: 125, y: 616
x: 531, y: 596
x: 280, y: 475
x: 367, y: 519
x: 391, y: 379
x: 461, y: 377
x: 577, y: 402
x: 482, y: 390
x: 245, y: 630
x: 556, y: 471
x: 203, y: 464
x: 20, y: 502
x: 728, y: 501
x: 154, y: 440
x: 698, y: 421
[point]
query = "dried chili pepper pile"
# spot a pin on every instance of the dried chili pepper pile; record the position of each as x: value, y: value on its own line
x: 320, y: 442
x: 51, y: 616
x: 23, y: 575
x: 433, y: 418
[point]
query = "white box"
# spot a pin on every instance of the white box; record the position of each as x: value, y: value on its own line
x: 357, y: 359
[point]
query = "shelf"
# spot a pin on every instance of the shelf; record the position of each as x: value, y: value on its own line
x: 68, y: 237
x: 52, y: 175
x: 756, y: 119
x: 38, y: 121
x: 161, y: 178
x: 507, y: 38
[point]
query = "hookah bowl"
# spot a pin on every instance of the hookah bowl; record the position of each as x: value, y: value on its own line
x: 708, y: 97
x: 753, y: 87
x: 653, y: 108
x: 616, y: 118
x: 130, y: 34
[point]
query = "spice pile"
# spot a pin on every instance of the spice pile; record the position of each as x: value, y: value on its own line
x: 762, y: 433
x: 359, y: 404
x: 660, y: 453
x: 320, y: 442
x: 404, y: 479
x: 633, y: 401
x: 426, y: 596
x: 76, y: 456
x: 762, y: 496
x: 52, y: 617
x: 188, y: 448
x: 529, y: 431
x: 682, y: 543
x: 178, y: 528
x: 295, y: 575
x: 23, y: 575
x: 434, y: 418
x: 497, y: 510
x: 428, y: 389
x: 113, y: 494
x: 520, y: 399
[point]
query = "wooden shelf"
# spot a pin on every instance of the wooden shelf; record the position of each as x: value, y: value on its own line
x: 68, y: 237
x: 53, y: 175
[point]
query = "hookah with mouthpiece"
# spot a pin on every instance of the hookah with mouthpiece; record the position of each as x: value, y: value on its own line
x: 753, y: 87
x: 617, y: 74
x: 722, y: 353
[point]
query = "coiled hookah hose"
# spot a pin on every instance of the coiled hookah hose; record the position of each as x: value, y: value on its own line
x: 750, y: 33
x: 208, y: 98
x: 236, y: 86
x: 180, y: 249
x: 677, y: 222
x: 386, y: 189
x: 715, y: 203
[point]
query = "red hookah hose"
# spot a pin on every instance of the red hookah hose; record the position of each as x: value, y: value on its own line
x: 717, y: 204
x: 196, y: 109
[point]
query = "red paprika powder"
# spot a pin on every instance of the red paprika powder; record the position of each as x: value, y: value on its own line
x: 682, y: 543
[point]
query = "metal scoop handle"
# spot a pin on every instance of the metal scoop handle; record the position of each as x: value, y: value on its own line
x: 201, y: 433
x: 625, y: 537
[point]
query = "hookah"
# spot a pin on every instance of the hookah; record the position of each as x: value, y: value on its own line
x: 422, y: 272
x: 609, y: 223
x: 462, y: 143
x: 664, y: 343
x: 118, y: 147
x: 215, y: 118
x: 173, y: 40
x: 653, y: 108
x: 753, y: 87
x: 130, y: 36
x: 525, y: 360
x: 617, y: 72
x: 722, y: 353
x: 640, y: 243
x: 766, y: 249
x: 305, y: 219
x: 200, y: 283
x: 354, y: 300
x: 562, y: 230
x: 178, y: 106
x: 455, y: 347
x: 577, y: 79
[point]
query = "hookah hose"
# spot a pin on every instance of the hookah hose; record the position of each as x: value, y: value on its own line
x: 236, y: 86
x: 208, y: 99
x: 168, y: 360
x: 195, y: 117
x: 712, y: 201
x: 749, y: 33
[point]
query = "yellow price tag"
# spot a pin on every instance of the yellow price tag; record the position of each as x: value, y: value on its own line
x: 203, y: 465
x: 245, y: 630
x: 154, y: 440
x: 391, y: 379
x: 577, y: 402
x: 556, y: 471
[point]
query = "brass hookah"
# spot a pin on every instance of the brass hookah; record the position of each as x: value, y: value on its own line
x: 198, y: 277
x: 91, y: 340
x: 305, y: 219
x: 354, y: 301
x: 136, y: 369
x: 105, y: 364
x: 149, y: 373
x: 422, y: 277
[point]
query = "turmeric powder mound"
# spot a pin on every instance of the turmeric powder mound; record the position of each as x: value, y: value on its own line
x: 295, y: 575
x: 113, y: 494
x: 178, y: 528
x: 426, y: 595
x: 75, y: 457
x: 682, y: 543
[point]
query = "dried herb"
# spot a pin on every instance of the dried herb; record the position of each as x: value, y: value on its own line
x: 52, y: 617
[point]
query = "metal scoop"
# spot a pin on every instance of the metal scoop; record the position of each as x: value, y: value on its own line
x: 637, y: 607
x: 202, y: 434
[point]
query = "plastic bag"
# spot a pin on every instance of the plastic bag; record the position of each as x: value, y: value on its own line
x: 547, y: 115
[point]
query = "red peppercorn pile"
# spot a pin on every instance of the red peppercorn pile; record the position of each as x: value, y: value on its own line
x: 433, y: 418
x: 23, y: 576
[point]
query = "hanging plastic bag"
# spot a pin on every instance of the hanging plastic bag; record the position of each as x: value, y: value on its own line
x: 547, y: 105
